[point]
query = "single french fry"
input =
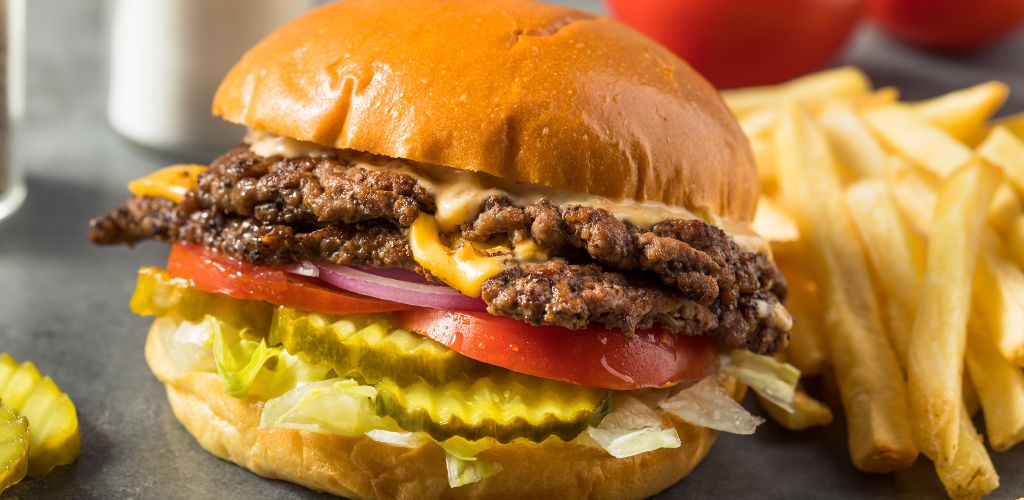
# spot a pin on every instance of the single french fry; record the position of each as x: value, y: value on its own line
x: 970, y: 475
x: 839, y: 83
x: 1000, y: 387
x: 1005, y: 150
x: 854, y: 145
x: 868, y: 373
x: 807, y: 412
x: 937, y: 343
x: 919, y: 141
x: 772, y: 222
x: 963, y: 113
x: 896, y: 252
x: 914, y: 190
x: 1005, y: 209
x: 808, y: 347
x: 999, y: 296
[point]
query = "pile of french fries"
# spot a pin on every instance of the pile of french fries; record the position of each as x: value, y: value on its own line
x: 900, y: 228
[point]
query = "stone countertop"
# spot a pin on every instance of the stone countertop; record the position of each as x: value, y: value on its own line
x: 64, y: 302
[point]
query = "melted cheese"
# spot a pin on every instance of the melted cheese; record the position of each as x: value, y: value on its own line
x: 529, y: 251
x: 169, y: 182
x: 266, y: 145
x: 465, y: 268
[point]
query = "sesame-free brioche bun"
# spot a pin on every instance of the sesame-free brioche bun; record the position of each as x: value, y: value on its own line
x: 228, y: 427
x: 513, y: 88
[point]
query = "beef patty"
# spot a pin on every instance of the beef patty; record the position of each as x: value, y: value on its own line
x: 685, y: 276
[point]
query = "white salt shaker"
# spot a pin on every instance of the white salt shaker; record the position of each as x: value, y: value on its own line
x: 167, y: 58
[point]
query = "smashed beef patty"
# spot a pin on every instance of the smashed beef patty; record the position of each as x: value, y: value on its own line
x: 685, y: 276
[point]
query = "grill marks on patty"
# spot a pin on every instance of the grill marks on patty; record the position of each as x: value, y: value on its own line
x: 683, y: 275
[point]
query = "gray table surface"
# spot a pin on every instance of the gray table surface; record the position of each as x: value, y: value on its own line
x: 63, y: 302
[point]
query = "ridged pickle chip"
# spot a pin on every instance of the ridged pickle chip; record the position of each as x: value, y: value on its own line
x: 157, y: 293
x: 53, y: 423
x: 369, y: 348
x: 504, y: 407
x: 13, y: 447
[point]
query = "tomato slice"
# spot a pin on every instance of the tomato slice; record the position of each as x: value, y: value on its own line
x: 594, y: 357
x: 219, y: 274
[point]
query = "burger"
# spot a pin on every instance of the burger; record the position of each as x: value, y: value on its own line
x: 467, y: 249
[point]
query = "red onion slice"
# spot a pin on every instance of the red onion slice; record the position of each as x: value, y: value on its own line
x: 397, y: 274
x: 415, y: 293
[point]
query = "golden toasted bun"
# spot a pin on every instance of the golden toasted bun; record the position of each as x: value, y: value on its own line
x: 362, y: 468
x: 513, y: 88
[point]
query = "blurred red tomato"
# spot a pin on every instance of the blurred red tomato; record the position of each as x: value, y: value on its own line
x: 948, y: 25
x: 736, y: 43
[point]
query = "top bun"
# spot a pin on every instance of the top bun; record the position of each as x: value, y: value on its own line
x: 513, y: 88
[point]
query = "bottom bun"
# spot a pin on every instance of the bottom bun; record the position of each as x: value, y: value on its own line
x: 359, y: 467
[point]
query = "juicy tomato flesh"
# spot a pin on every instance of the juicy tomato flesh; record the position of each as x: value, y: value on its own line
x: 594, y: 357
x: 215, y: 273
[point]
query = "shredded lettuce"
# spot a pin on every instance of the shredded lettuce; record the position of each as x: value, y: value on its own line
x: 632, y: 428
x: 186, y: 344
x: 399, y: 439
x: 622, y: 443
x: 772, y: 379
x: 462, y: 472
x: 336, y: 406
x: 250, y: 368
x: 465, y: 449
x: 463, y: 465
x: 708, y: 405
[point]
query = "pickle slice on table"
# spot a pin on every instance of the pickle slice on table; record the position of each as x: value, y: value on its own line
x: 368, y: 348
x: 503, y: 407
x: 13, y: 447
x: 157, y: 293
x: 53, y: 423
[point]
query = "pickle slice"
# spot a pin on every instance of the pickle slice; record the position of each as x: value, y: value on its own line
x: 53, y: 423
x: 504, y: 407
x: 157, y: 293
x: 13, y: 447
x: 368, y: 348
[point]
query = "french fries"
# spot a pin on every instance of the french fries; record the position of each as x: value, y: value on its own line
x: 970, y: 474
x: 1000, y: 387
x: 856, y: 149
x: 869, y: 375
x: 895, y: 252
x: 971, y: 400
x: 808, y: 349
x: 1005, y: 208
x: 1013, y: 123
x: 914, y: 190
x: 771, y: 222
x: 931, y: 195
x: 1005, y: 150
x: 999, y: 296
x: 963, y: 113
x: 1015, y: 239
x: 936, y: 352
x: 807, y: 412
x: 845, y: 82
x: 919, y: 141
